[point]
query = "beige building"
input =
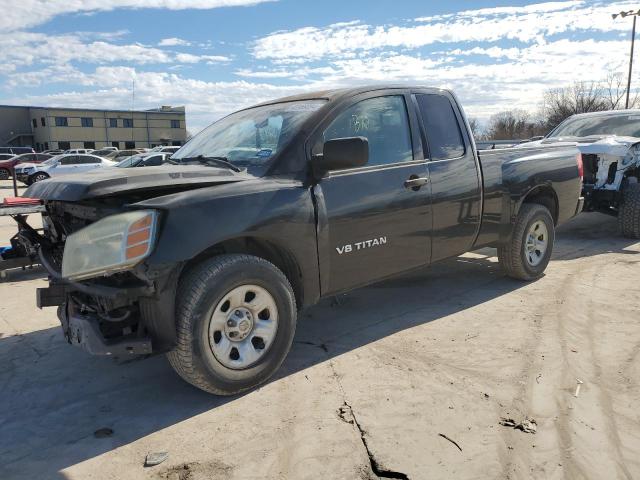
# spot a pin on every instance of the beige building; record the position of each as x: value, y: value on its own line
x: 64, y: 128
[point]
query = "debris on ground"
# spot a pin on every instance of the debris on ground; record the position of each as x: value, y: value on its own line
x: 156, y: 458
x: 103, y: 433
x: 579, y: 382
x: 452, y: 441
x: 528, y: 425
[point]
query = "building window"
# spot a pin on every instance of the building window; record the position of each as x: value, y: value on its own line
x: 64, y: 145
x: 129, y: 145
x: 34, y: 122
x: 46, y: 145
x: 115, y: 144
x: 61, y: 122
x: 38, y: 147
x: 176, y: 143
x: 113, y: 122
x: 91, y: 145
x: 127, y: 122
x: 86, y: 122
x: 42, y: 122
x: 175, y: 123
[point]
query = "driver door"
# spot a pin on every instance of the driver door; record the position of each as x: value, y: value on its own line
x: 378, y: 216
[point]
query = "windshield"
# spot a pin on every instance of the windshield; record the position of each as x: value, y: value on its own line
x: 130, y: 161
x: 250, y: 138
x: 627, y: 125
x: 52, y: 160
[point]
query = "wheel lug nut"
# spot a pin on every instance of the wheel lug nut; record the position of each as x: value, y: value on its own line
x: 231, y: 323
x: 233, y: 334
x: 238, y: 313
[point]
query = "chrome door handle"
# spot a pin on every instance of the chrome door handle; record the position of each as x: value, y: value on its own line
x: 414, y: 182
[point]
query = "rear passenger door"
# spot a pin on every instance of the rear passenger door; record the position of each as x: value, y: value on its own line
x: 455, y: 175
x: 88, y: 162
x: 68, y: 164
x: 373, y: 224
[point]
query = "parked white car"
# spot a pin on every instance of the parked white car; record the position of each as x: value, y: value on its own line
x: 165, y: 149
x: 79, y: 151
x: 64, y: 164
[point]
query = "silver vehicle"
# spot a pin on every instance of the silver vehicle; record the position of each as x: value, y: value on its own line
x: 64, y: 164
x: 610, y: 145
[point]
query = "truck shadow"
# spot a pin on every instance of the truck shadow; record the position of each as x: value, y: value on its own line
x: 54, y: 396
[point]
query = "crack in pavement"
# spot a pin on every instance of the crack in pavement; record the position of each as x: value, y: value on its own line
x: 346, y: 414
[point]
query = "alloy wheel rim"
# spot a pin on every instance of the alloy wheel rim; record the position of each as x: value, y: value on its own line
x: 536, y: 243
x: 243, y: 326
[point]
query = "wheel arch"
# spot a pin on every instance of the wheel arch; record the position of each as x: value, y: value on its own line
x: 543, y: 195
x: 260, y: 247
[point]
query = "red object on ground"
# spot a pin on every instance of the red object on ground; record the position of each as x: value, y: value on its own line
x: 19, y: 201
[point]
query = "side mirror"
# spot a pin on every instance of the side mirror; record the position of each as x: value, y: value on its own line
x: 341, y: 153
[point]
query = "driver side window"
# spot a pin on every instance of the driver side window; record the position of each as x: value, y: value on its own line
x: 383, y: 121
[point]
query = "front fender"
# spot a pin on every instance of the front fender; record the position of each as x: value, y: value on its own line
x: 278, y: 211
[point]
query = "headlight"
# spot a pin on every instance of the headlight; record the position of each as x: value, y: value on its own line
x: 112, y: 244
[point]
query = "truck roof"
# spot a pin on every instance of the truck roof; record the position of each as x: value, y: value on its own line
x: 333, y: 94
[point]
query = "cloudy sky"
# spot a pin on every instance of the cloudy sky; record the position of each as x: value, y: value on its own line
x: 215, y: 56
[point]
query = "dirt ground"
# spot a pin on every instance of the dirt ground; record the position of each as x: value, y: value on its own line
x: 380, y: 382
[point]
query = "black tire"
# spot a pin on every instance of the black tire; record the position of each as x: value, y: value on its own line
x: 4, y: 174
x: 512, y: 255
x: 629, y: 213
x: 38, y: 177
x: 199, y: 292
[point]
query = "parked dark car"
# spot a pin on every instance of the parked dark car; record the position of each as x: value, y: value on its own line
x: 7, y: 166
x: 147, y: 159
x: 276, y: 206
x: 17, y: 150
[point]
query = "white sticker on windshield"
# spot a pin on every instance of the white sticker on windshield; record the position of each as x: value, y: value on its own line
x: 303, y: 107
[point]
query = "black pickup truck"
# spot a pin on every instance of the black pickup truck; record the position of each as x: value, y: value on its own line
x: 263, y: 213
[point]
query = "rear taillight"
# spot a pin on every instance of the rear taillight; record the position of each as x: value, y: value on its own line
x: 580, y: 166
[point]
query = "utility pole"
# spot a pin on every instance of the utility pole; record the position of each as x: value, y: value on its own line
x: 634, y: 14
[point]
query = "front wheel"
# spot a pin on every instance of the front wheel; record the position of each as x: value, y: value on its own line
x: 526, y: 255
x: 38, y: 177
x: 629, y: 214
x: 236, y: 317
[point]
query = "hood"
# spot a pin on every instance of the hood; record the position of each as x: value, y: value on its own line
x: 115, y: 181
x: 23, y: 166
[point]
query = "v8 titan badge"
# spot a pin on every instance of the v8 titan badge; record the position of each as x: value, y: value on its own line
x: 354, y: 247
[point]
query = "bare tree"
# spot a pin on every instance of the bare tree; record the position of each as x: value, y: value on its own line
x: 474, y: 124
x: 581, y: 97
x: 615, y: 92
x: 513, y: 125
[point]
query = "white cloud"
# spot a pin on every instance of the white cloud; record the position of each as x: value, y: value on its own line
x: 28, y: 13
x: 205, y: 101
x: 173, y: 42
x: 27, y: 48
x: 527, y: 24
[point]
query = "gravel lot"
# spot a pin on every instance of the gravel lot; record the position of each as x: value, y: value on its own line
x: 380, y: 382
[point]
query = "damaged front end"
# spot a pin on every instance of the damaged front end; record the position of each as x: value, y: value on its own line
x: 610, y: 164
x: 110, y: 302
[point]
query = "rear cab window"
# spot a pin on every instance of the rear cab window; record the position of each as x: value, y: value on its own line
x: 444, y: 136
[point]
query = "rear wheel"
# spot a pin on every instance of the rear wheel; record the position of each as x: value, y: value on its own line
x: 4, y: 174
x: 37, y: 177
x: 236, y: 317
x: 629, y: 213
x: 526, y: 255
